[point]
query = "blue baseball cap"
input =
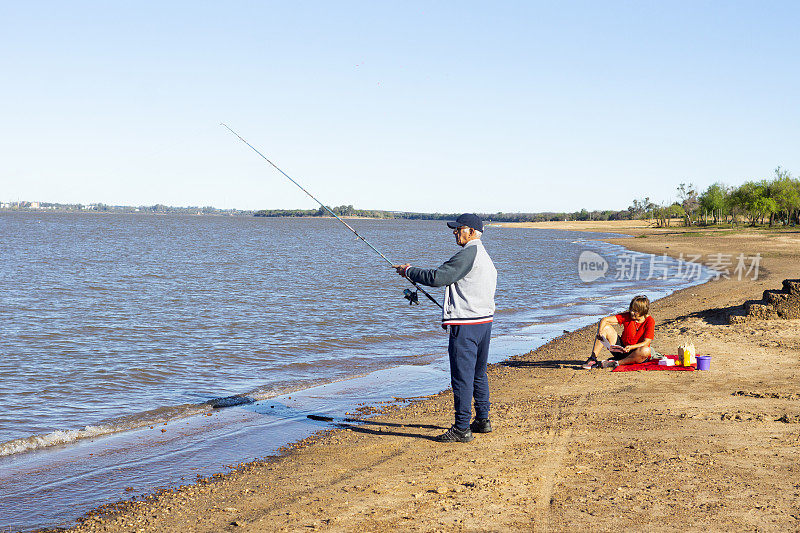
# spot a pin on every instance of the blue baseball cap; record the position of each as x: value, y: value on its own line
x: 470, y: 220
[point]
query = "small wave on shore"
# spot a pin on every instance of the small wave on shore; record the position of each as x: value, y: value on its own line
x: 127, y: 423
x: 154, y: 417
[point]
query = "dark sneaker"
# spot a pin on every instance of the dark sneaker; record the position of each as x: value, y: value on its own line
x: 610, y: 363
x: 455, y: 435
x: 481, y: 425
x: 591, y: 363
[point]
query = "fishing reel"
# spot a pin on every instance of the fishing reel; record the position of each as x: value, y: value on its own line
x: 411, y: 296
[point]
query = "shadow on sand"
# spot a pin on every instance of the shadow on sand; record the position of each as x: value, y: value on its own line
x: 557, y: 363
x: 718, y: 316
x: 361, y: 428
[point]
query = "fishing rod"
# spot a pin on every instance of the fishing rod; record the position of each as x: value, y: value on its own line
x: 409, y: 295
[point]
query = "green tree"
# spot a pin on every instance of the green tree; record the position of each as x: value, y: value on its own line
x: 786, y: 193
x: 687, y: 193
x: 753, y: 199
x: 743, y: 197
x: 763, y: 207
x: 344, y: 210
x: 664, y: 214
x: 715, y: 200
x: 676, y: 210
x: 641, y: 208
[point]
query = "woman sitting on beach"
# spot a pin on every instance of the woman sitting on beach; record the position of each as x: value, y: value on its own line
x: 638, y: 329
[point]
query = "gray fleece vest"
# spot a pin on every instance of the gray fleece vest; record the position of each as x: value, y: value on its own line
x: 470, y: 280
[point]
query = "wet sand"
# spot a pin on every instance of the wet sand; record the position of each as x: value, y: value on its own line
x: 572, y: 450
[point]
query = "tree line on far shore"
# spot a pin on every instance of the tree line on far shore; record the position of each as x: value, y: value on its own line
x: 767, y: 201
x: 771, y: 201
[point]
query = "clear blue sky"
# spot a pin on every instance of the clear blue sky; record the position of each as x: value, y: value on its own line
x: 418, y: 106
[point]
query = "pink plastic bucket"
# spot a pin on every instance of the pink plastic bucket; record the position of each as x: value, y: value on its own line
x: 703, y: 362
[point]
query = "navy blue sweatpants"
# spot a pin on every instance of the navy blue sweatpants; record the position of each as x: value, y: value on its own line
x: 469, y: 350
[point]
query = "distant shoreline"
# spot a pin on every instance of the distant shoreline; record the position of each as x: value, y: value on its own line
x: 161, y: 214
x: 130, y: 211
x: 343, y: 211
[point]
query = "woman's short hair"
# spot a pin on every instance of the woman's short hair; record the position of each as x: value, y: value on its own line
x: 640, y: 305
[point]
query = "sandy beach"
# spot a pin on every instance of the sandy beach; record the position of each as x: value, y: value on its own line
x: 572, y: 450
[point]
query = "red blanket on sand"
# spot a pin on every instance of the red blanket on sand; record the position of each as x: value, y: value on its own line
x: 653, y: 365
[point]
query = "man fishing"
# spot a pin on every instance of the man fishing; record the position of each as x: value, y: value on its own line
x: 470, y: 279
